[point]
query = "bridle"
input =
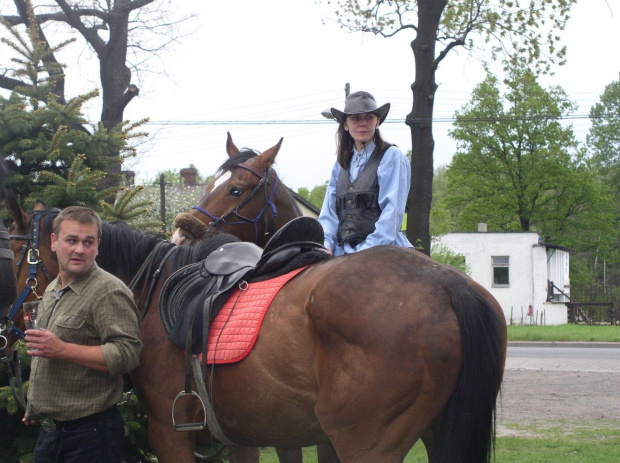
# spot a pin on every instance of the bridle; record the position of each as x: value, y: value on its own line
x: 263, y: 184
x: 30, y: 254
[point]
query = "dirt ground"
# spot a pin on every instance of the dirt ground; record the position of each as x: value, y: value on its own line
x: 542, y: 398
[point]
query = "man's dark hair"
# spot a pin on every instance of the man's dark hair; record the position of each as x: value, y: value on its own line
x: 83, y: 215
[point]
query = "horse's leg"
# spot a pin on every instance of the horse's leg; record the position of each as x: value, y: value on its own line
x: 429, y: 438
x: 157, y: 381
x: 289, y: 456
x: 326, y: 453
x: 238, y: 454
x: 171, y: 446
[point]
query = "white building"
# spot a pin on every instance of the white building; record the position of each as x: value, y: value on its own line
x: 519, y: 271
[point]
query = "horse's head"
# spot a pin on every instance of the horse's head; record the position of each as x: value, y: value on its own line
x: 246, y: 199
x: 34, y: 263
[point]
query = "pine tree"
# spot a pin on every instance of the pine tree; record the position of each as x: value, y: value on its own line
x: 42, y: 137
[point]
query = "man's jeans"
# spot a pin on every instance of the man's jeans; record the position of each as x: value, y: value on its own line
x: 95, y: 438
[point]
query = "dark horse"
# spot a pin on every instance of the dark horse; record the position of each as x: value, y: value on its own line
x: 8, y: 283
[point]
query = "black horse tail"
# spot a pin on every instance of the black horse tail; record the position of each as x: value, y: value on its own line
x: 467, y: 433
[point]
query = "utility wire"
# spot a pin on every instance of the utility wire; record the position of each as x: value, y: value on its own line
x: 390, y: 121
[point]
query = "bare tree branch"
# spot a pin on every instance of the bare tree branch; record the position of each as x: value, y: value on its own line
x: 9, y: 83
x: 90, y: 34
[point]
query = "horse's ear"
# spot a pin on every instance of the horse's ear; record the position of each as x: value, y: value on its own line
x: 231, y: 148
x: 39, y: 205
x: 20, y: 218
x: 267, y: 158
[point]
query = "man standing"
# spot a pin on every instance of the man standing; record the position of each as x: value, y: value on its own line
x: 88, y: 337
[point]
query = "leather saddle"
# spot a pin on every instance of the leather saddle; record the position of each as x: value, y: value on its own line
x: 193, y: 295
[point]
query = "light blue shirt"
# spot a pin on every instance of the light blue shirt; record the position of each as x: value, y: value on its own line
x: 394, y: 175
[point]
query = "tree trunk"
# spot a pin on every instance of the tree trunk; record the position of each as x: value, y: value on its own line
x: 115, y: 85
x: 420, y: 120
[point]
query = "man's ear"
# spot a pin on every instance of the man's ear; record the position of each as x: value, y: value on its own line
x: 53, y: 242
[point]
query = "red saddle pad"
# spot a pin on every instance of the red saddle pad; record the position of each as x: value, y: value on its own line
x: 234, y: 331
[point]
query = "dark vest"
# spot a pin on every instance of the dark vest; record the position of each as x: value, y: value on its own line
x: 357, y: 202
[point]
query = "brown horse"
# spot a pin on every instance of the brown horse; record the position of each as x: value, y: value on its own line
x: 373, y: 351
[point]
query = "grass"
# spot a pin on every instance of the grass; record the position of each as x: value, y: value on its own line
x: 581, y: 442
x: 585, y: 333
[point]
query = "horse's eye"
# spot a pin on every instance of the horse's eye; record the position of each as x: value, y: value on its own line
x: 234, y: 191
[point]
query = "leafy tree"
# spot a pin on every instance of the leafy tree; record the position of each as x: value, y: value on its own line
x: 518, y: 169
x: 442, y: 217
x: 517, y: 30
x: 604, y: 137
x: 604, y: 144
x: 316, y: 195
x: 444, y: 255
x: 122, y: 33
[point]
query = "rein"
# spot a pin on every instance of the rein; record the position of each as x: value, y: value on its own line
x: 262, y: 184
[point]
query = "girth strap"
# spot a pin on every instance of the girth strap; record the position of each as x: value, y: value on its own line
x: 214, y: 425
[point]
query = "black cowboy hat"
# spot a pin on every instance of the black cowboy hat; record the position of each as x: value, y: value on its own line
x: 361, y: 103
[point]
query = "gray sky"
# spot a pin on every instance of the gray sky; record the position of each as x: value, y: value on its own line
x: 283, y: 60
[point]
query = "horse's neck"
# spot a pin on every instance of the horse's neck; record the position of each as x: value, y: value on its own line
x: 287, y: 206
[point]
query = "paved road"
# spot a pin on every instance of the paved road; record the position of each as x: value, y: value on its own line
x: 591, y: 357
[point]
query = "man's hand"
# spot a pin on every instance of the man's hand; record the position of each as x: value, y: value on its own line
x: 28, y: 422
x: 43, y: 343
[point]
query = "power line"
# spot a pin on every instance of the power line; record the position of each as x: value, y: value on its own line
x: 390, y: 121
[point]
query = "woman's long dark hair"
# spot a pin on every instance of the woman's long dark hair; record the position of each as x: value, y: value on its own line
x: 345, y: 145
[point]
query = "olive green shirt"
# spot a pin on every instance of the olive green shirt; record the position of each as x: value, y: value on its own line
x: 97, y: 309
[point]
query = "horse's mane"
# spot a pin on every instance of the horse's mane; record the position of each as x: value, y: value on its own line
x: 186, y: 255
x: 123, y: 249
x: 232, y: 162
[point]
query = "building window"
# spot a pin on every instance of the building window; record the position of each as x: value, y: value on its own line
x: 501, y: 275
